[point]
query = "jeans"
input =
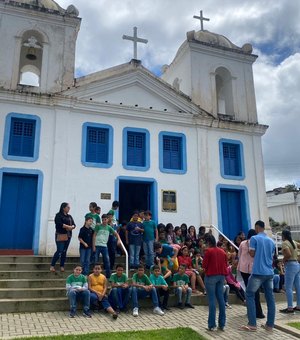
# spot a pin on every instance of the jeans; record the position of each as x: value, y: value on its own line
x: 292, y: 278
x: 134, y: 255
x: 74, y: 295
x: 119, y: 297
x: 226, y: 290
x: 112, y: 248
x: 179, y: 293
x: 95, y: 303
x: 61, y: 252
x: 149, y: 252
x: 140, y: 293
x: 165, y: 293
x: 255, y: 281
x: 85, y: 256
x: 214, y: 285
x: 259, y: 311
x: 106, y: 262
x: 276, y: 280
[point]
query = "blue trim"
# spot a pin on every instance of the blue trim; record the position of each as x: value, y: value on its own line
x: 7, y: 137
x: 183, y: 169
x: 154, y: 199
x: 242, y: 188
x: 84, y: 145
x: 147, y: 149
x: 36, y: 236
x: 241, y: 164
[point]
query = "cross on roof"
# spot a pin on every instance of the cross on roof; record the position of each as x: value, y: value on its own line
x: 135, y: 40
x: 201, y: 18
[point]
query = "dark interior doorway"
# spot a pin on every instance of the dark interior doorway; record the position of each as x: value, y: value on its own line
x: 133, y: 196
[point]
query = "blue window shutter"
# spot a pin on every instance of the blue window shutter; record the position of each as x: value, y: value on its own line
x: 22, y: 137
x: 172, y: 153
x: 136, y: 149
x: 97, y: 145
x: 231, y: 155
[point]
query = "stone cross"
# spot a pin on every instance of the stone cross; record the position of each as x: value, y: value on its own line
x: 201, y: 18
x: 135, y: 40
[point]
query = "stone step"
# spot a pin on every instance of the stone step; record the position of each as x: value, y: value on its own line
x: 26, y: 293
x: 32, y: 283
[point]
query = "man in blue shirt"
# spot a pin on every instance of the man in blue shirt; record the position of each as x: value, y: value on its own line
x: 262, y: 248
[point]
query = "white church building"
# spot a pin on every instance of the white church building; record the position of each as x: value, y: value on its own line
x: 186, y: 145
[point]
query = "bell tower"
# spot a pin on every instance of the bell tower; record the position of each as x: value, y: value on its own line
x: 39, y: 39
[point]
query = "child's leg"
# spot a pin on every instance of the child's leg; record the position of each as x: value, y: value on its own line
x: 165, y: 294
x: 131, y: 255
x: 192, y: 276
x: 104, y: 252
x: 112, y: 246
x: 237, y: 292
x: 276, y: 280
x: 94, y: 300
x: 126, y: 294
x: 97, y: 254
x: 114, y: 298
x: 85, y: 296
x: 137, y: 255
x: 200, y: 282
x: 188, y: 295
x: 134, y: 297
x: 226, y: 293
x: 178, y: 292
x: 106, y: 306
x: 154, y: 297
x: 72, y: 295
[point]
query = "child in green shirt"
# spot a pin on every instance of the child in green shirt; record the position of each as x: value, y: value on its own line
x: 161, y: 286
x: 120, y: 292
x: 181, y: 285
x: 141, y: 288
x: 77, y: 288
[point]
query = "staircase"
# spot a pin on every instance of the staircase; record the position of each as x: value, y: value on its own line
x: 27, y: 285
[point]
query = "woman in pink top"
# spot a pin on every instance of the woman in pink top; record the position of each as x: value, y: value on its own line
x: 245, y: 267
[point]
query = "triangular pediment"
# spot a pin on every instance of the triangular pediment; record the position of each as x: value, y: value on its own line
x: 131, y: 86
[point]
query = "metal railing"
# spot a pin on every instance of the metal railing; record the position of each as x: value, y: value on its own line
x: 220, y: 233
x: 126, y: 256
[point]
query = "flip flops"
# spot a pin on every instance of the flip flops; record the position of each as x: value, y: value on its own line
x: 247, y: 328
x: 267, y: 328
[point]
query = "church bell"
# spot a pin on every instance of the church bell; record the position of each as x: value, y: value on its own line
x: 31, y: 53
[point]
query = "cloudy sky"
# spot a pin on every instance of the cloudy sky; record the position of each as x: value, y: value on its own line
x: 272, y: 27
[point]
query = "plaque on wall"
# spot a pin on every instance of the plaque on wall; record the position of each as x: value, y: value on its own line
x: 105, y: 196
x: 169, y: 203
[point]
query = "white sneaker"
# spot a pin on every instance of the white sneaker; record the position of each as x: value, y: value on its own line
x: 135, y: 311
x: 227, y: 305
x: 158, y: 311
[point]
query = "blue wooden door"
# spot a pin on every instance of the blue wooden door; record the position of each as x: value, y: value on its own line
x: 233, y: 212
x: 17, y: 211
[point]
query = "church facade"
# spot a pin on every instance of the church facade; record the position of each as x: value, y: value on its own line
x: 186, y: 145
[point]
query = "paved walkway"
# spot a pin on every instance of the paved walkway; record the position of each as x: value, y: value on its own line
x: 41, y: 324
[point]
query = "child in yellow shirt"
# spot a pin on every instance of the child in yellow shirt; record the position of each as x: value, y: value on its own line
x: 98, y: 287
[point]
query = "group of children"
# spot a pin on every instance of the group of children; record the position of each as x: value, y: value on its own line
x: 173, y: 257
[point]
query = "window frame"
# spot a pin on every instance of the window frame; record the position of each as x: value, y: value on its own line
x: 182, y: 136
x: 241, y: 165
x: 125, y: 149
x: 86, y: 163
x: 7, y: 134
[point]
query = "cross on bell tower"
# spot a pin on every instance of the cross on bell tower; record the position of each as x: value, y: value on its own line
x: 201, y: 18
x: 135, y: 40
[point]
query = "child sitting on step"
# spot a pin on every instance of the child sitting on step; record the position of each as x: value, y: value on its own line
x: 77, y: 288
x: 98, y: 287
x: 181, y: 285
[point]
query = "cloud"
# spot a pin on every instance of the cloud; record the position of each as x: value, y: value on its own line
x: 272, y: 27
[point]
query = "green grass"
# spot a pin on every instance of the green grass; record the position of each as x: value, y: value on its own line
x: 294, y: 324
x: 166, y: 334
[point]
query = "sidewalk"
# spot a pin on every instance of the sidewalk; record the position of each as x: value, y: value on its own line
x: 55, y: 323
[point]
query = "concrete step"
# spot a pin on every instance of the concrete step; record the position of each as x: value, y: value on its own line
x: 34, y: 259
x: 34, y: 274
x: 32, y: 266
x: 32, y: 283
x: 26, y: 293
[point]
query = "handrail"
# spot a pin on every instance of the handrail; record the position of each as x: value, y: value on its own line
x: 126, y: 255
x: 220, y: 232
